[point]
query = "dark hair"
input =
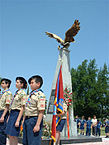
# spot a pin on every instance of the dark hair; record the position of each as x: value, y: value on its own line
x: 37, y: 79
x: 22, y: 81
x: 7, y: 81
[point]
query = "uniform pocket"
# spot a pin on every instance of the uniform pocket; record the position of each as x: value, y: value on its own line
x: 33, y: 121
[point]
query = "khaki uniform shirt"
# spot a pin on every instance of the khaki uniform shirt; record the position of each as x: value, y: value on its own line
x: 36, y: 104
x: 5, y: 99
x: 19, y: 100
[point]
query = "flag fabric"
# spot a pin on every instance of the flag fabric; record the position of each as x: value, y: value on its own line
x: 58, y: 103
x: 68, y: 124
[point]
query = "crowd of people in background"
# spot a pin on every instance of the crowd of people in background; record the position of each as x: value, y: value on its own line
x: 91, y: 126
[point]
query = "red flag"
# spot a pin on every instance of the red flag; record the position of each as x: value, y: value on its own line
x: 58, y: 103
x: 53, y: 134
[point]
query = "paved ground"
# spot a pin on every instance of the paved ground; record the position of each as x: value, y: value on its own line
x: 105, y: 141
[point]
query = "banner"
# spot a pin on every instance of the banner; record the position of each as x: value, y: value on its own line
x: 58, y: 103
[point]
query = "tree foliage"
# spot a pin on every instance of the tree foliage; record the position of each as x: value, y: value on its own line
x: 90, y: 87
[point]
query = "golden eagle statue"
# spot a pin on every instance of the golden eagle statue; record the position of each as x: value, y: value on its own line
x: 69, y: 35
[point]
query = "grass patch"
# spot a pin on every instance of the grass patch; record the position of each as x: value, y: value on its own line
x: 102, y: 131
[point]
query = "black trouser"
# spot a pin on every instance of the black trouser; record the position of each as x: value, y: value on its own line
x: 88, y: 131
x: 94, y: 128
x: 98, y: 131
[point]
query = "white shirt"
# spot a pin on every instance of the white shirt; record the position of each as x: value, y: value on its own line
x: 94, y: 122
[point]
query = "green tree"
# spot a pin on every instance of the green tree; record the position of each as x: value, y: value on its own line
x: 90, y: 89
x: 102, y: 91
x: 79, y: 78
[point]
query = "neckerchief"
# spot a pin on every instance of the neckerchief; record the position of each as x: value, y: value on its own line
x: 3, y: 92
x: 14, y: 96
x: 31, y: 93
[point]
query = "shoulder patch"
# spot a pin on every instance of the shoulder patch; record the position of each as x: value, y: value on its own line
x: 8, y: 93
x: 41, y: 97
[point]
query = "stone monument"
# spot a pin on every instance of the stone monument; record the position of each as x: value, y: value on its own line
x: 64, y: 59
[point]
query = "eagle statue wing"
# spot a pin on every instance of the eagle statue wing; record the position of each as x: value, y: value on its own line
x: 70, y: 33
x: 51, y: 35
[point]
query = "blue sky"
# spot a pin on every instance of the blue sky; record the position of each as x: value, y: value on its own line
x: 25, y: 50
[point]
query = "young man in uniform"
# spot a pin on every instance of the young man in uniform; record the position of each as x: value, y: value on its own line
x: 98, y: 130
x: 88, y: 126
x: 107, y: 128
x: 77, y: 120
x: 82, y: 125
x: 61, y: 124
x: 5, y: 100
x: 34, y: 110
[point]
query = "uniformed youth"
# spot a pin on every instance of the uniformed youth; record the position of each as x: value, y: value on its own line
x: 17, y: 108
x: 5, y: 100
x: 82, y: 125
x: 88, y: 126
x: 34, y: 110
x: 61, y: 124
x: 107, y: 128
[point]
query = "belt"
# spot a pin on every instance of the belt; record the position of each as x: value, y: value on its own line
x: 15, y: 110
x: 28, y: 117
x: 1, y: 111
